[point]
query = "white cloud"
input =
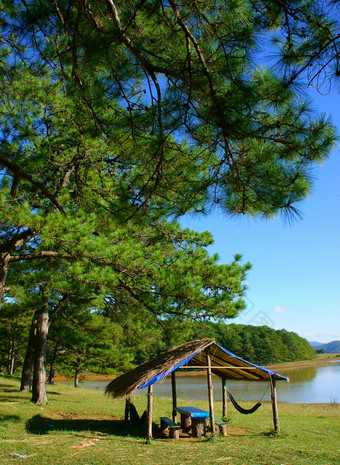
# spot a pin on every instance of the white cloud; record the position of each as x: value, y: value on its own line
x: 279, y: 310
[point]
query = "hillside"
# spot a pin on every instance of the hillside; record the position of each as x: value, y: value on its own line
x: 330, y: 347
x: 259, y: 344
x: 315, y: 344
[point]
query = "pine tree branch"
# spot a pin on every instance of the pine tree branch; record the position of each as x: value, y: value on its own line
x: 19, y: 172
x: 17, y: 241
x: 41, y: 254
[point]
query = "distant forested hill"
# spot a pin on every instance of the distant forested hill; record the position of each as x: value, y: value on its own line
x: 315, y: 344
x: 330, y: 348
x: 259, y: 344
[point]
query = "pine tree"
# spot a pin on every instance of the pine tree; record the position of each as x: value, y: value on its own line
x: 131, y: 275
x: 168, y: 98
x: 118, y: 117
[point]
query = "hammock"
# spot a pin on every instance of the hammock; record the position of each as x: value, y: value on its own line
x: 244, y: 410
x: 241, y: 409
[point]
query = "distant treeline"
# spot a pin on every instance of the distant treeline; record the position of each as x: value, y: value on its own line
x: 95, y: 344
x: 259, y: 344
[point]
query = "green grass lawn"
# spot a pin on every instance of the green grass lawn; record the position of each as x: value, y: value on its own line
x: 80, y: 426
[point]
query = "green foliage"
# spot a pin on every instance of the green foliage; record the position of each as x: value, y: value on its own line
x: 258, y: 344
x: 307, y: 35
x: 14, y: 327
x: 119, y: 117
x: 87, y: 342
x: 122, y: 287
x: 115, y: 119
x: 156, y: 107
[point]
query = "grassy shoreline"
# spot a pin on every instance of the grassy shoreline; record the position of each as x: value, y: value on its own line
x: 85, y: 426
x: 321, y: 360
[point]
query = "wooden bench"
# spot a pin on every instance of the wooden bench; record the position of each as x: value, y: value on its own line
x: 222, y: 426
x: 173, y: 428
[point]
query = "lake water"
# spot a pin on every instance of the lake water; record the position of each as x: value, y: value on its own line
x: 307, y: 385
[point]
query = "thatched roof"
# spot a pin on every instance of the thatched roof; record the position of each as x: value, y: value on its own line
x: 161, y: 366
x: 224, y: 364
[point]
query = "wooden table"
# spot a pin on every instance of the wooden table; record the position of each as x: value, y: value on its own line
x: 193, y: 418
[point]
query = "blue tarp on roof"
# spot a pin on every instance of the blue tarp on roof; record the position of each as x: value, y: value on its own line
x: 163, y: 374
x: 266, y: 370
x: 223, y: 366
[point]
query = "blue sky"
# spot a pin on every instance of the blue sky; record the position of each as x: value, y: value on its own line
x: 295, y: 279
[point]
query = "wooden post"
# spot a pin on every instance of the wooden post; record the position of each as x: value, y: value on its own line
x: 174, y: 397
x: 274, y: 404
x: 211, y: 393
x: 127, y: 409
x: 224, y: 398
x: 150, y: 393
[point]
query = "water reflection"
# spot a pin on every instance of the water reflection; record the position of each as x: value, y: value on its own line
x: 309, y: 385
x: 297, y: 375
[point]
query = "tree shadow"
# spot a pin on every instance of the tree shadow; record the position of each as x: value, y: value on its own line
x: 5, y: 418
x: 41, y: 425
x: 10, y: 398
x: 7, y: 389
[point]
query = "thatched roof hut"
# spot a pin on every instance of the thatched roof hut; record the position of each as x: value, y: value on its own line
x: 224, y: 364
x: 204, y: 354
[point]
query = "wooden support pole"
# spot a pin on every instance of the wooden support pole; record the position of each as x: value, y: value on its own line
x: 174, y: 397
x: 274, y: 404
x: 210, y: 393
x: 150, y: 398
x: 127, y: 409
x: 224, y: 398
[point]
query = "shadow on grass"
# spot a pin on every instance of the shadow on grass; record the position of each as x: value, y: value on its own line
x: 11, y: 379
x: 41, y: 425
x: 6, y: 395
x: 10, y: 418
x: 11, y: 398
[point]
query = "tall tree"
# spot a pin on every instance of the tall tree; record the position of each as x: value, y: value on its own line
x: 13, y: 327
x: 89, y: 343
x: 128, y: 273
x: 116, y: 115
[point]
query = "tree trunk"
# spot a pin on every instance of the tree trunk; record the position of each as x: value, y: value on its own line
x: 27, y: 369
x: 76, y: 373
x: 4, y: 264
x: 40, y: 344
x: 53, y: 365
x: 11, y: 357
